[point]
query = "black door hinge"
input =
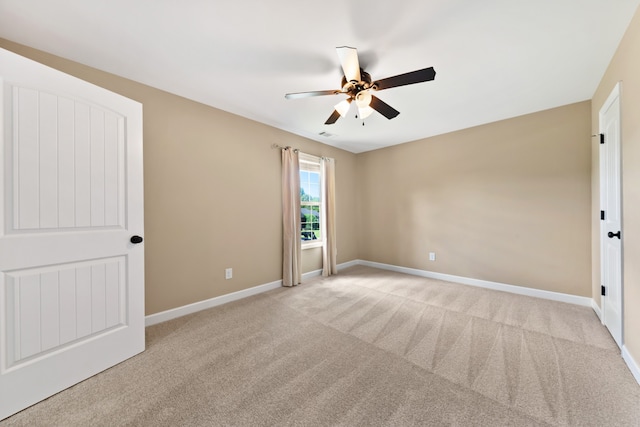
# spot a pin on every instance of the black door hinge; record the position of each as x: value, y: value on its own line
x: 602, y: 215
x: 602, y: 138
x: 603, y: 291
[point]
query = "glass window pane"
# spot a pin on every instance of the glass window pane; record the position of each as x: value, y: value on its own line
x: 314, y: 192
x: 310, y: 213
x: 305, y: 192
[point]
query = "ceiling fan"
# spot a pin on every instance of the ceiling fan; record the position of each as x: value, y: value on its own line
x: 357, y: 85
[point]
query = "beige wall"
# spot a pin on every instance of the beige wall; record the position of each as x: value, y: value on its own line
x: 507, y: 202
x: 212, y: 193
x: 624, y: 67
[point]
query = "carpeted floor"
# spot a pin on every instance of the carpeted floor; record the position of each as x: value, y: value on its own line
x: 366, y: 347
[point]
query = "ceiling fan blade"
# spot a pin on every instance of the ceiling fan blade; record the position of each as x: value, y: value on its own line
x: 418, y: 76
x: 332, y: 118
x: 349, y: 61
x: 383, y: 108
x: 309, y: 94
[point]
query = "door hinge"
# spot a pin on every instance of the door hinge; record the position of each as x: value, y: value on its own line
x: 602, y: 215
x: 602, y: 138
x: 603, y: 291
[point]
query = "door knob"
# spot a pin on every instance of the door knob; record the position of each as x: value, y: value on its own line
x: 136, y: 239
x: 612, y: 234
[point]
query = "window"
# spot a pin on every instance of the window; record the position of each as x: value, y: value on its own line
x: 310, y: 201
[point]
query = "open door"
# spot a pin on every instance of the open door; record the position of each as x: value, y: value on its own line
x: 611, y: 215
x: 71, y: 280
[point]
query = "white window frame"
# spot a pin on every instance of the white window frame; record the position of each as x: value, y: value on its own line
x: 312, y: 163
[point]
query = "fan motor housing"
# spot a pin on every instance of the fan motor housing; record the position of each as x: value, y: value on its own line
x: 353, y: 87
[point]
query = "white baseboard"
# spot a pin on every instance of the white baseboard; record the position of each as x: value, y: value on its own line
x: 348, y: 264
x: 631, y: 363
x: 174, y: 313
x: 311, y: 274
x: 520, y: 290
x: 596, y: 309
x: 163, y: 316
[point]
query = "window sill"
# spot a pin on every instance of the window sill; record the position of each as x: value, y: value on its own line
x: 312, y: 245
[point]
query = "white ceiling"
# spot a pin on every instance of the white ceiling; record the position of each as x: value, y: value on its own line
x: 494, y: 59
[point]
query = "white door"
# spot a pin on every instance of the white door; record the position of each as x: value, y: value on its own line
x: 611, y: 215
x: 71, y: 281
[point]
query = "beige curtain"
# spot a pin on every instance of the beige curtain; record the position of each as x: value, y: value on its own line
x: 329, y: 196
x: 291, y: 244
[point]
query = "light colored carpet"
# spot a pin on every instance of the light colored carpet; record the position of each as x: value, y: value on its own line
x: 366, y: 347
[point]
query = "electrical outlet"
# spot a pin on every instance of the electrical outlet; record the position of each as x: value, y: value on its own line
x: 228, y: 273
x: 432, y: 256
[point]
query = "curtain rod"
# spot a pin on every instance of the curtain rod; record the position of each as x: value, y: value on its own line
x: 276, y: 146
x: 283, y: 148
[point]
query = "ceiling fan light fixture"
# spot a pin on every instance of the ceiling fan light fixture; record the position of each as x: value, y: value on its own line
x: 364, y: 112
x: 343, y: 107
x: 363, y: 99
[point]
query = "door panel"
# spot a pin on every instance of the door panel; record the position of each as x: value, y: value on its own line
x: 71, y: 282
x: 52, y: 307
x: 69, y: 163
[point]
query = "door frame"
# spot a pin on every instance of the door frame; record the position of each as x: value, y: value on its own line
x: 614, y: 96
